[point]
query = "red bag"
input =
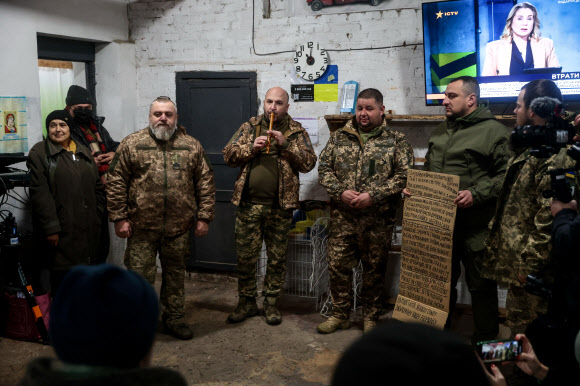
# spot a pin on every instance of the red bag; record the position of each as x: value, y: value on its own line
x: 20, y: 319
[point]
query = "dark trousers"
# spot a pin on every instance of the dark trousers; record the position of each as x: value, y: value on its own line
x: 483, y: 291
x: 104, y: 241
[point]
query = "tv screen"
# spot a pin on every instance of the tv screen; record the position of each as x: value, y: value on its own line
x: 475, y: 38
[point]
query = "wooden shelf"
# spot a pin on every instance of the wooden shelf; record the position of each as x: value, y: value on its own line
x: 337, y: 121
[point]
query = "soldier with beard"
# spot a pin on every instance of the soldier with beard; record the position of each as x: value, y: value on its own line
x: 473, y: 145
x: 520, y: 242
x: 87, y: 129
x: 160, y: 186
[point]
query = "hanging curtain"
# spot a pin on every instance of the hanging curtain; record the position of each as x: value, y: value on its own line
x: 55, y: 79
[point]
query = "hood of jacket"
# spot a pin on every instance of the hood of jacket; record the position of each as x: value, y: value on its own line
x: 482, y: 113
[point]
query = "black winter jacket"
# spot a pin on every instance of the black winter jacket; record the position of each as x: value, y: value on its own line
x: 67, y: 198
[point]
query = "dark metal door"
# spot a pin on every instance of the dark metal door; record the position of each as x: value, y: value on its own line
x: 212, y: 106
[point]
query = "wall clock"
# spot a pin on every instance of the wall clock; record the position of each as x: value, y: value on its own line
x: 310, y: 61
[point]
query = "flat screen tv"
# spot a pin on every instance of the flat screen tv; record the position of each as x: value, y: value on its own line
x: 469, y: 37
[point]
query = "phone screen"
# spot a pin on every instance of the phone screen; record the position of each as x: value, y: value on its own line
x: 499, y: 350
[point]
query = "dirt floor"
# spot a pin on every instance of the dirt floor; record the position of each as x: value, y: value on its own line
x: 251, y: 352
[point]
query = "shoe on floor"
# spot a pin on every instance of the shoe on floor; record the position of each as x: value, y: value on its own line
x: 273, y: 316
x: 179, y: 330
x: 332, y: 324
x: 246, y: 308
x: 368, y: 325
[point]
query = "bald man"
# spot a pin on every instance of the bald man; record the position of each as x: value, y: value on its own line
x: 266, y: 193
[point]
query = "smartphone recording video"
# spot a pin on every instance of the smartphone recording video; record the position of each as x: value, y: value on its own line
x: 499, y: 350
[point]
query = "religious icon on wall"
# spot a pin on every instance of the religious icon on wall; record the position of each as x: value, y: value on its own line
x: 10, y: 126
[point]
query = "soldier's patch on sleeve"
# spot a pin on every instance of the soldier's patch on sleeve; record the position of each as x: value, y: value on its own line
x: 306, y: 142
x: 114, y: 162
x: 237, y: 135
x: 209, y: 165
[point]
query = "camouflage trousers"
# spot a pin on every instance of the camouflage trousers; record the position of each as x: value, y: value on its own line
x: 255, y: 223
x: 352, y: 239
x: 521, y: 308
x: 142, y: 249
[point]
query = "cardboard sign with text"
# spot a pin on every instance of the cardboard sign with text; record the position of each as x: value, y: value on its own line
x: 426, y: 250
x: 409, y: 310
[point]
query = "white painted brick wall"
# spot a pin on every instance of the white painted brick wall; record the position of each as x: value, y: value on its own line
x: 215, y: 35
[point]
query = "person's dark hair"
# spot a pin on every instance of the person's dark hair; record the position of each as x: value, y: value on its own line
x: 371, y: 93
x: 409, y: 353
x: 540, y: 88
x: 470, y: 86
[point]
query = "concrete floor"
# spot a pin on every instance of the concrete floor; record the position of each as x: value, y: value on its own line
x: 251, y: 352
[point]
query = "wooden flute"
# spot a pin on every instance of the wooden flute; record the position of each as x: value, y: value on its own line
x: 270, y: 129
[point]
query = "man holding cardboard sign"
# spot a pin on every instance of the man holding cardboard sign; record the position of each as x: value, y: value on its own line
x: 473, y: 145
x: 364, y: 169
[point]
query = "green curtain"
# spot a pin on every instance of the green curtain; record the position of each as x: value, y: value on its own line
x: 54, y: 84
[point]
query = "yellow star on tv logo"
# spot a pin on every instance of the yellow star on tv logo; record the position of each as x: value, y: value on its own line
x: 439, y: 15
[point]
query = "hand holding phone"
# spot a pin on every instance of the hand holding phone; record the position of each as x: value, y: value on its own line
x: 528, y: 361
x: 493, y: 351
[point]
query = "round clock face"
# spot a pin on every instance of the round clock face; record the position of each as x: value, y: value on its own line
x: 310, y: 61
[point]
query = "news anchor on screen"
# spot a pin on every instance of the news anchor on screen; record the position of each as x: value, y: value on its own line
x: 520, y: 46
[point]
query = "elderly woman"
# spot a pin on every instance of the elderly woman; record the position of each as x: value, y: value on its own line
x: 67, y: 198
x: 520, y: 45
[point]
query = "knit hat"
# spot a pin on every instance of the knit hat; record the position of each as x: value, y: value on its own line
x: 63, y: 115
x: 103, y: 316
x: 78, y: 95
x: 409, y: 353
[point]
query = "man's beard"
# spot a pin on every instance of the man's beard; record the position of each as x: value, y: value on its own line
x: 162, y: 132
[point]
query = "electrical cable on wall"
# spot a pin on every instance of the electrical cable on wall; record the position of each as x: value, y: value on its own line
x: 329, y: 50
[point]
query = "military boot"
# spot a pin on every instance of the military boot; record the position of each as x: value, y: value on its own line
x: 273, y: 316
x: 368, y: 325
x: 178, y: 329
x: 332, y: 324
x: 246, y: 308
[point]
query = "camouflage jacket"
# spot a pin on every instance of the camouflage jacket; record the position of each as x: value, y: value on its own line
x: 297, y: 156
x: 161, y: 185
x: 519, y: 242
x: 378, y: 167
x: 475, y: 148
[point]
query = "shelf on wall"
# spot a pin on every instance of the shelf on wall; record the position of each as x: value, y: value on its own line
x: 337, y: 121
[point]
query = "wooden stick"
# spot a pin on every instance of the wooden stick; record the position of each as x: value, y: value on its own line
x: 270, y: 129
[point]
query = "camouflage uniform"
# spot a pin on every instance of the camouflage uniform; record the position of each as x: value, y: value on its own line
x: 270, y: 223
x: 255, y: 223
x: 519, y: 242
x: 475, y: 148
x: 161, y: 187
x: 378, y: 167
